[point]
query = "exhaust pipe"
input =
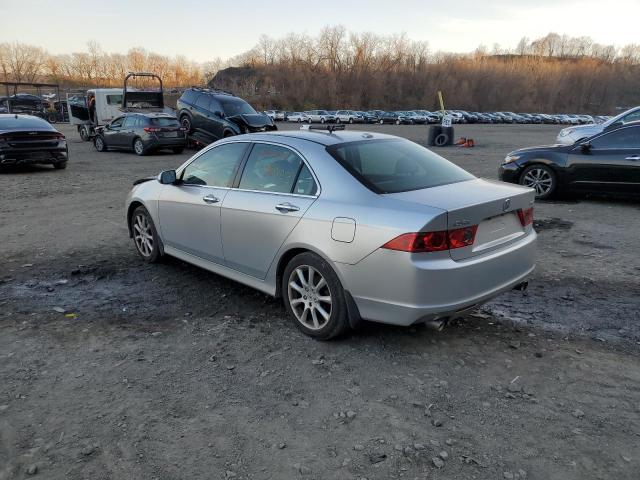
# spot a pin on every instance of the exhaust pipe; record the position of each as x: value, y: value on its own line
x: 437, y: 325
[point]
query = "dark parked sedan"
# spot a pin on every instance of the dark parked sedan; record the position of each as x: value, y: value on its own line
x: 142, y: 133
x: 25, y: 139
x: 609, y: 162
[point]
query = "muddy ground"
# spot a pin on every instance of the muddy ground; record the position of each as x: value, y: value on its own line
x: 114, y: 369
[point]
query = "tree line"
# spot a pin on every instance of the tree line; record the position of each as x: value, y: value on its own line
x: 93, y: 68
x: 341, y: 69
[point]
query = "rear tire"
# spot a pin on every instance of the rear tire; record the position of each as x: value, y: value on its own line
x: 185, y: 121
x: 314, y: 297
x: 138, y: 147
x: 84, y: 134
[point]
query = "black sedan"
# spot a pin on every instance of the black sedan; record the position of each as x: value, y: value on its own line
x: 142, y: 133
x: 395, y: 117
x: 25, y: 139
x: 608, y: 162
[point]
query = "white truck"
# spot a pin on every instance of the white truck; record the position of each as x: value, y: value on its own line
x: 100, y: 106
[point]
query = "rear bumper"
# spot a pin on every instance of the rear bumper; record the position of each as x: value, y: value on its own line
x: 164, y: 142
x: 403, y: 289
x: 25, y: 157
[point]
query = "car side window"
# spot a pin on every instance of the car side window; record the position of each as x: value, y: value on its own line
x: 203, y: 101
x: 117, y: 123
x: 618, y: 139
x: 216, y: 167
x: 632, y: 117
x: 305, y: 184
x: 129, y: 122
x: 270, y: 168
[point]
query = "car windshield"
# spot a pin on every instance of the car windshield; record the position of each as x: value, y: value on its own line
x: 164, y: 122
x: 236, y: 106
x: 23, y: 123
x: 391, y: 166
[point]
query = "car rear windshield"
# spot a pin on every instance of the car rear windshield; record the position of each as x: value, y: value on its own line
x: 236, y: 106
x: 23, y: 123
x: 391, y: 166
x: 164, y: 122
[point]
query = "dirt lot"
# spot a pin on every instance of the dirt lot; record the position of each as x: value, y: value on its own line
x: 169, y: 372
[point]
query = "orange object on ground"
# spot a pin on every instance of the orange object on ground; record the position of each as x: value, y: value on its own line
x: 461, y: 141
x: 469, y: 143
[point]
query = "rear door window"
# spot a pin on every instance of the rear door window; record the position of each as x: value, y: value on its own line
x: 391, y: 166
x: 271, y: 168
x: 203, y: 101
x: 129, y: 122
x: 164, y: 122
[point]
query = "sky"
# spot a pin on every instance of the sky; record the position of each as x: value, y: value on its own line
x: 204, y: 30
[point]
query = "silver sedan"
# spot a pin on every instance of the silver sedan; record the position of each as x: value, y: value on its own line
x: 343, y: 226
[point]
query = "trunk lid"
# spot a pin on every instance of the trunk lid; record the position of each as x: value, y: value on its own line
x: 491, y: 205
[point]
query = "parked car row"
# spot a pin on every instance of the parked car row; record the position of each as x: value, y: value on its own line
x: 421, y: 117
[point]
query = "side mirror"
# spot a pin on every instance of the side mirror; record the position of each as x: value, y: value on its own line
x: 218, y: 114
x: 585, y: 147
x: 168, y: 177
x: 614, y: 125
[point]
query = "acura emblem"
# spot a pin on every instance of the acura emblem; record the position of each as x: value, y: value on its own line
x: 506, y: 205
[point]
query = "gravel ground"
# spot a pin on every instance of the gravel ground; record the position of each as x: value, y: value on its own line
x: 111, y: 368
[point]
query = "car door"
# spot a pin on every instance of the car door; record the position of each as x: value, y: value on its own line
x: 214, y: 119
x: 611, y: 161
x: 112, y: 131
x: 128, y: 132
x: 189, y: 211
x: 275, y: 190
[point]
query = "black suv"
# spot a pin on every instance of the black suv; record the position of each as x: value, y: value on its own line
x: 142, y: 133
x: 209, y: 115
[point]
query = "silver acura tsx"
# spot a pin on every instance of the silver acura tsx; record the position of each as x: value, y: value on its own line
x: 343, y: 226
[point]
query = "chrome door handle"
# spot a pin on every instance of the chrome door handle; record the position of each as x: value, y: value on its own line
x: 633, y: 157
x: 287, y: 207
x: 211, y: 199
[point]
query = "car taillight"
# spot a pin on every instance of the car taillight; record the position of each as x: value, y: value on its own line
x: 462, y: 237
x: 526, y: 216
x: 421, y: 242
x: 152, y: 129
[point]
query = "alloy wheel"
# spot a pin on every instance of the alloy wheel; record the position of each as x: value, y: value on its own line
x: 99, y: 144
x: 309, y: 297
x: 138, y: 147
x: 538, y: 179
x: 143, y: 234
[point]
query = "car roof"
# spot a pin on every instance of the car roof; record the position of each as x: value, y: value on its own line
x: 323, y: 137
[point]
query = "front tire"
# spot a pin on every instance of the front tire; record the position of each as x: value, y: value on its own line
x: 145, y: 235
x: 314, y: 297
x: 99, y: 144
x: 541, y: 178
x: 177, y: 150
x: 60, y: 165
